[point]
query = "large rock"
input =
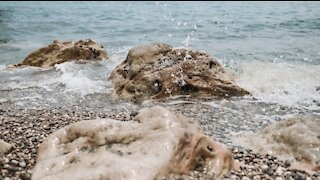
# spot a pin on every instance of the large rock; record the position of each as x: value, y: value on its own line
x: 59, y: 52
x: 157, y: 143
x: 296, y: 140
x: 158, y: 71
x: 4, y: 147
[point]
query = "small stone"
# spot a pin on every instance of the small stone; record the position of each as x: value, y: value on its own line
x: 6, y: 161
x: 6, y: 166
x: 264, y: 167
x: 299, y: 176
x: 287, y: 163
x: 14, y: 161
x: 257, y: 177
x: 279, y: 171
x: 233, y: 177
x: 24, y: 176
x: 22, y: 164
x: 245, y: 178
x: 268, y: 171
x: 278, y: 178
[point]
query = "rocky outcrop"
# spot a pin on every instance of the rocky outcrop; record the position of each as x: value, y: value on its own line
x: 4, y: 147
x: 296, y: 140
x: 157, y: 143
x: 60, y: 52
x: 158, y: 71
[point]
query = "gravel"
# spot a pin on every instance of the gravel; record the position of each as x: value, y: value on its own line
x: 26, y: 127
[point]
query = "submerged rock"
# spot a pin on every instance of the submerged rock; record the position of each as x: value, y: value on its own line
x: 4, y: 147
x: 158, y: 71
x: 296, y: 140
x: 157, y: 143
x: 60, y: 52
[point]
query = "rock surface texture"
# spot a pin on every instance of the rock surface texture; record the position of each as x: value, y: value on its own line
x: 4, y: 147
x: 60, y: 52
x: 296, y: 140
x: 157, y: 143
x: 158, y: 71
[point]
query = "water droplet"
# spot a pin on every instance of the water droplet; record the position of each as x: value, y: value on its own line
x: 187, y: 41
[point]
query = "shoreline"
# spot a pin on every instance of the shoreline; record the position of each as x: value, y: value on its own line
x: 26, y: 128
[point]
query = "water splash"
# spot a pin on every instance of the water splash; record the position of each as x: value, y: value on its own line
x: 187, y: 41
x: 283, y: 83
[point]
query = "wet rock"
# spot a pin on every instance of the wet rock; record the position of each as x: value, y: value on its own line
x: 158, y: 70
x: 157, y: 143
x: 60, y: 52
x: 4, y: 147
x: 295, y: 141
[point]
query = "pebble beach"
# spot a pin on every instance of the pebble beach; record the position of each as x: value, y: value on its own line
x: 26, y: 128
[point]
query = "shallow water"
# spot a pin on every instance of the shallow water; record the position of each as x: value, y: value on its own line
x: 271, y: 47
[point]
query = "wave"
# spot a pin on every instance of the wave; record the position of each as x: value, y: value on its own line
x: 295, y: 85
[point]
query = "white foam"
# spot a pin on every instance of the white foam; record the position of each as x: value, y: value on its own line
x: 77, y: 80
x: 2, y: 67
x: 283, y: 83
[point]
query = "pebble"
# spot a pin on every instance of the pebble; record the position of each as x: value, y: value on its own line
x: 22, y: 164
x: 14, y: 161
x: 245, y: 178
x: 279, y: 171
x: 264, y: 167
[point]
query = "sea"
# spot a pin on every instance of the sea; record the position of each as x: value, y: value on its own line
x: 272, y: 48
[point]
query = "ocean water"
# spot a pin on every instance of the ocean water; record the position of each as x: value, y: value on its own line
x: 273, y: 48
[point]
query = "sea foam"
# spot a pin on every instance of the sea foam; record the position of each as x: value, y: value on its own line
x: 295, y: 85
